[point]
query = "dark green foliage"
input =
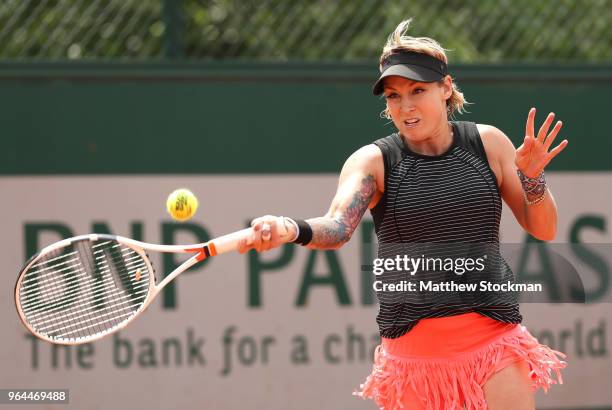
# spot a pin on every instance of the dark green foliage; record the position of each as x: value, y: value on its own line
x: 476, y: 31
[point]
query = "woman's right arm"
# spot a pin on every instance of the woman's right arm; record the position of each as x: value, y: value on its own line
x: 360, y: 186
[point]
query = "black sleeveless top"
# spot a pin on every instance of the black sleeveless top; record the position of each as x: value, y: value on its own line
x: 452, y: 197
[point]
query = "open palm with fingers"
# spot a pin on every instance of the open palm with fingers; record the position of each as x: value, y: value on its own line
x: 534, y: 155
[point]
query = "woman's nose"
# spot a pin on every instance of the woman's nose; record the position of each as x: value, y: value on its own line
x: 407, y: 105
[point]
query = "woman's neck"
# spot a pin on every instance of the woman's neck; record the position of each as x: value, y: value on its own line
x: 438, y: 143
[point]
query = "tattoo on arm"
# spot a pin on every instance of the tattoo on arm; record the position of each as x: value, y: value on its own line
x: 330, y: 232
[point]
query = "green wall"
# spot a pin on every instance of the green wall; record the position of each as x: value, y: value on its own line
x: 247, y: 118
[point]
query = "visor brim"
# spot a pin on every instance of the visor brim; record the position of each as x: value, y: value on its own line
x: 411, y: 72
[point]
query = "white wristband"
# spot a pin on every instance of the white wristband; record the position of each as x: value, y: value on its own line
x: 292, y: 222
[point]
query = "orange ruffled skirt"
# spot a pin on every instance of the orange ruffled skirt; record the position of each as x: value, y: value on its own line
x: 446, y: 362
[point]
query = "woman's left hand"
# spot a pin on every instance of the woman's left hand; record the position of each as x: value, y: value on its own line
x: 533, y: 156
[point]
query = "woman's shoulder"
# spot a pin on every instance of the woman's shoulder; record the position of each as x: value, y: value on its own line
x: 494, y: 140
x: 367, y: 160
x: 367, y: 156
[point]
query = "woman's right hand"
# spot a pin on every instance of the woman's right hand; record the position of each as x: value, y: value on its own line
x: 268, y: 232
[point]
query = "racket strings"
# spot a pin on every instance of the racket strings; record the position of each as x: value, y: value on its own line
x: 67, y: 264
x: 52, y: 284
x: 99, y: 265
x: 44, y: 318
x: 95, y: 303
x: 84, y: 289
x: 114, y: 311
x: 42, y: 291
x: 32, y: 288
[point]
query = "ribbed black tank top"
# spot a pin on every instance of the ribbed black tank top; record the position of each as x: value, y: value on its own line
x: 452, y: 197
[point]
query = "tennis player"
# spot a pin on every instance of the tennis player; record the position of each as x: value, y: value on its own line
x: 437, y: 180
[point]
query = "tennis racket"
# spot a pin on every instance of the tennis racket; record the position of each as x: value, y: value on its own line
x: 84, y: 288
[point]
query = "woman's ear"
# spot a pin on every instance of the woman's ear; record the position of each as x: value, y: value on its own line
x: 448, y: 87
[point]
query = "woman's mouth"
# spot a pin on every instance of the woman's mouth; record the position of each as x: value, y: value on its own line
x: 411, y: 122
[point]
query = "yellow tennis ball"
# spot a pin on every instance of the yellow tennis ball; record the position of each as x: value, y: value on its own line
x: 182, y: 204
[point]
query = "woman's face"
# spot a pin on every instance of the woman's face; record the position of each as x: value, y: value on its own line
x: 418, y: 110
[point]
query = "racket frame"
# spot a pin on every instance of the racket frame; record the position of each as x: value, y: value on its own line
x: 201, y: 251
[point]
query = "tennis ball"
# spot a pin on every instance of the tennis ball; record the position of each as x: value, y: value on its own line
x: 182, y: 204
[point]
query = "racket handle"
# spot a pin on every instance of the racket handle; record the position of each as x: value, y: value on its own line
x: 229, y: 242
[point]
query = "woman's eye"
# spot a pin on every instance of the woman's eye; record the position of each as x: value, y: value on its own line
x: 419, y: 90
x: 391, y: 96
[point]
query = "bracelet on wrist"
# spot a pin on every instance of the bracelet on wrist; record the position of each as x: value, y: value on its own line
x: 534, y: 189
x: 304, y: 235
x: 294, y: 224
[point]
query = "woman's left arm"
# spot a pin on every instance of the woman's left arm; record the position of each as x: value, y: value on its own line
x: 522, y: 180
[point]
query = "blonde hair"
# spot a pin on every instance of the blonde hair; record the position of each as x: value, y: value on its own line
x: 399, y: 41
